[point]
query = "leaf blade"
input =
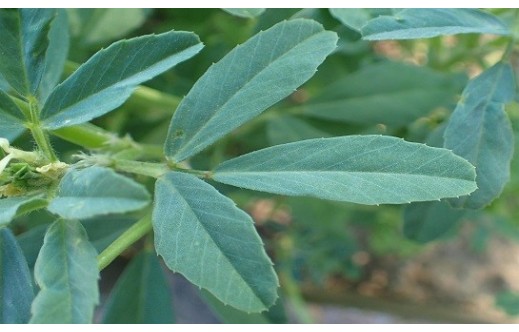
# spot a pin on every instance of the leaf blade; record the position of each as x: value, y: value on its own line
x: 16, y: 290
x: 220, y: 249
x: 361, y: 169
x: 11, y: 206
x: 480, y: 131
x: 413, y: 23
x: 23, y: 50
x: 248, y: 83
x: 152, y: 303
x: 66, y: 271
x: 96, y: 191
x: 11, y: 118
x: 245, y: 12
x: 109, y: 77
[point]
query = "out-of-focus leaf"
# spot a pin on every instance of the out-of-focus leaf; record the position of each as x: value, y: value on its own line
x: 12, y: 206
x: 416, y: 23
x: 16, y: 291
x: 509, y: 302
x: 245, y: 12
x: 391, y: 93
x: 286, y: 129
x: 479, y: 130
x: 141, y: 295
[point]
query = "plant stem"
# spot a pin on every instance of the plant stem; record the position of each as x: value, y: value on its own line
x: 123, y: 242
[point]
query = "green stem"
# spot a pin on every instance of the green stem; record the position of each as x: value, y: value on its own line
x: 153, y: 170
x: 295, y: 298
x: 123, y: 242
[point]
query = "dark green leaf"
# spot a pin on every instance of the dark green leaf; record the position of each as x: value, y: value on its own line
x: 416, y: 23
x: 11, y: 118
x: 203, y: 235
x: 479, y: 130
x: 245, y: 12
x: 23, y: 46
x: 141, y: 295
x: 96, y: 191
x: 248, y: 80
x: 102, y: 231
x: 108, y: 78
x: 66, y: 271
x: 401, y: 94
x: 427, y: 221
x: 286, y: 129
x: 16, y: 291
x: 229, y: 315
x: 56, y: 54
x: 12, y: 206
x: 364, y: 169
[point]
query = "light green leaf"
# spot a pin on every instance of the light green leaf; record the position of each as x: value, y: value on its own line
x: 416, y: 23
x: 96, y: 191
x: 4, y: 86
x: 364, y: 169
x: 23, y: 46
x: 248, y: 80
x: 356, y: 18
x: 479, y: 130
x: 12, y: 206
x: 229, y: 315
x: 427, y: 221
x: 11, y: 118
x: 245, y: 12
x: 16, y: 291
x: 98, y: 25
x: 108, y: 78
x: 141, y: 295
x: 66, y: 271
x: 56, y: 54
x: 286, y: 129
x: 204, y: 236
x: 401, y: 94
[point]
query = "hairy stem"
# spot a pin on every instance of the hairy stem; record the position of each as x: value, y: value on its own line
x: 123, y: 242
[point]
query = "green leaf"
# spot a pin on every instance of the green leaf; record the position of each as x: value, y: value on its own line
x: 12, y: 206
x: 16, y: 291
x: 479, y: 130
x: 245, y: 12
x: 416, y: 23
x: 508, y: 301
x: 108, y: 78
x: 11, y: 118
x: 248, y: 80
x: 427, y: 221
x: 102, y: 231
x: 97, y: 191
x: 56, y: 54
x: 4, y: 86
x: 401, y: 94
x: 364, y: 169
x: 98, y: 25
x: 229, y: 315
x: 286, y: 129
x: 23, y: 46
x: 204, y: 236
x: 356, y: 18
x: 66, y: 271
x: 141, y: 295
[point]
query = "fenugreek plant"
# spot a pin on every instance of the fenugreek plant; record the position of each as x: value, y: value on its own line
x: 174, y: 205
